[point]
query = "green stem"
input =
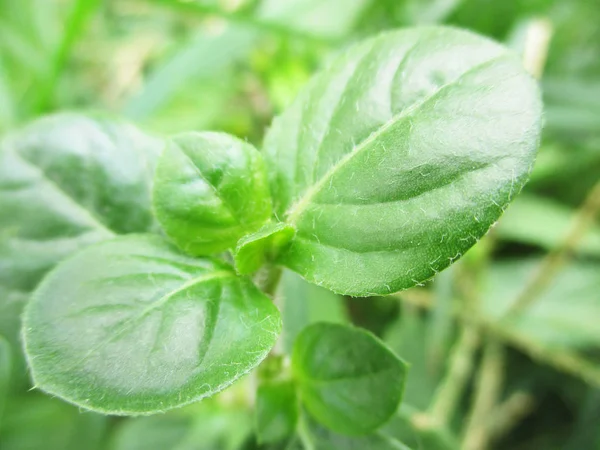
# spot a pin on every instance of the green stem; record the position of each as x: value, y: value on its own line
x: 453, y: 385
x: 487, y: 392
x: 556, y: 259
x: 268, y: 278
x: 563, y: 360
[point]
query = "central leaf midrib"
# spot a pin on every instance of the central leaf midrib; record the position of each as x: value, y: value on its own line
x: 213, y: 188
x: 294, y: 213
x: 95, y: 220
x: 127, y: 324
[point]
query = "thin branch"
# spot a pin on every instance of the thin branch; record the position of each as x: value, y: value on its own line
x: 555, y: 260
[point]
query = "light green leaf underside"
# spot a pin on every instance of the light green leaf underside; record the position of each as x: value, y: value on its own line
x: 67, y: 181
x: 399, y: 156
x: 210, y: 190
x: 347, y: 379
x: 131, y: 326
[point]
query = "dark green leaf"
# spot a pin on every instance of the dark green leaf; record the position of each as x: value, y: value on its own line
x: 255, y: 249
x: 317, y: 437
x: 67, y: 181
x: 276, y: 411
x: 132, y: 326
x: 398, y: 157
x: 347, y: 379
x: 210, y: 190
x: 304, y: 304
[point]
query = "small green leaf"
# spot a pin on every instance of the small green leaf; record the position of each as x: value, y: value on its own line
x: 347, y: 378
x: 5, y: 372
x: 131, y: 326
x: 210, y: 189
x: 67, y: 181
x: 253, y: 250
x: 317, y: 437
x: 399, y: 156
x: 276, y: 411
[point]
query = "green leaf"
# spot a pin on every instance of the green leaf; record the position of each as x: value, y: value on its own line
x: 276, y: 411
x: 67, y: 181
x: 304, y: 304
x: 253, y: 250
x: 210, y: 190
x: 5, y: 372
x: 131, y: 326
x: 317, y: 437
x: 35, y: 421
x: 399, y: 156
x: 205, y: 426
x: 347, y: 378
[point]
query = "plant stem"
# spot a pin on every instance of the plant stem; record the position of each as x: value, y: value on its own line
x: 509, y: 413
x: 489, y: 384
x: 563, y: 360
x: 268, y: 278
x: 556, y: 259
x: 453, y: 385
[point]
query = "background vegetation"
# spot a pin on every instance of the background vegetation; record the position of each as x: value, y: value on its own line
x: 504, y: 347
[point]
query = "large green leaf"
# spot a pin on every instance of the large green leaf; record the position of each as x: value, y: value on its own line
x: 132, y: 326
x: 399, y: 156
x: 210, y: 190
x: 66, y: 181
x: 347, y: 379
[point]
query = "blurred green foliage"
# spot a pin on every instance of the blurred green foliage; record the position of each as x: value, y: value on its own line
x: 504, y: 349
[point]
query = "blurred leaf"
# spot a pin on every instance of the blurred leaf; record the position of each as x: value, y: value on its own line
x: 317, y: 437
x: 205, y: 426
x: 34, y: 422
x: 11, y: 306
x: 5, y: 373
x: 276, y: 411
x: 545, y: 223
x: 408, y: 337
x: 564, y: 316
x: 205, y: 56
x: 325, y: 18
x: 305, y: 303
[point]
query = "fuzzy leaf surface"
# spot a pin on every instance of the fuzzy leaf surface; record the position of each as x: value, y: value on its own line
x: 400, y: 155
x: 131, y: 326
x: 210, y: 190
